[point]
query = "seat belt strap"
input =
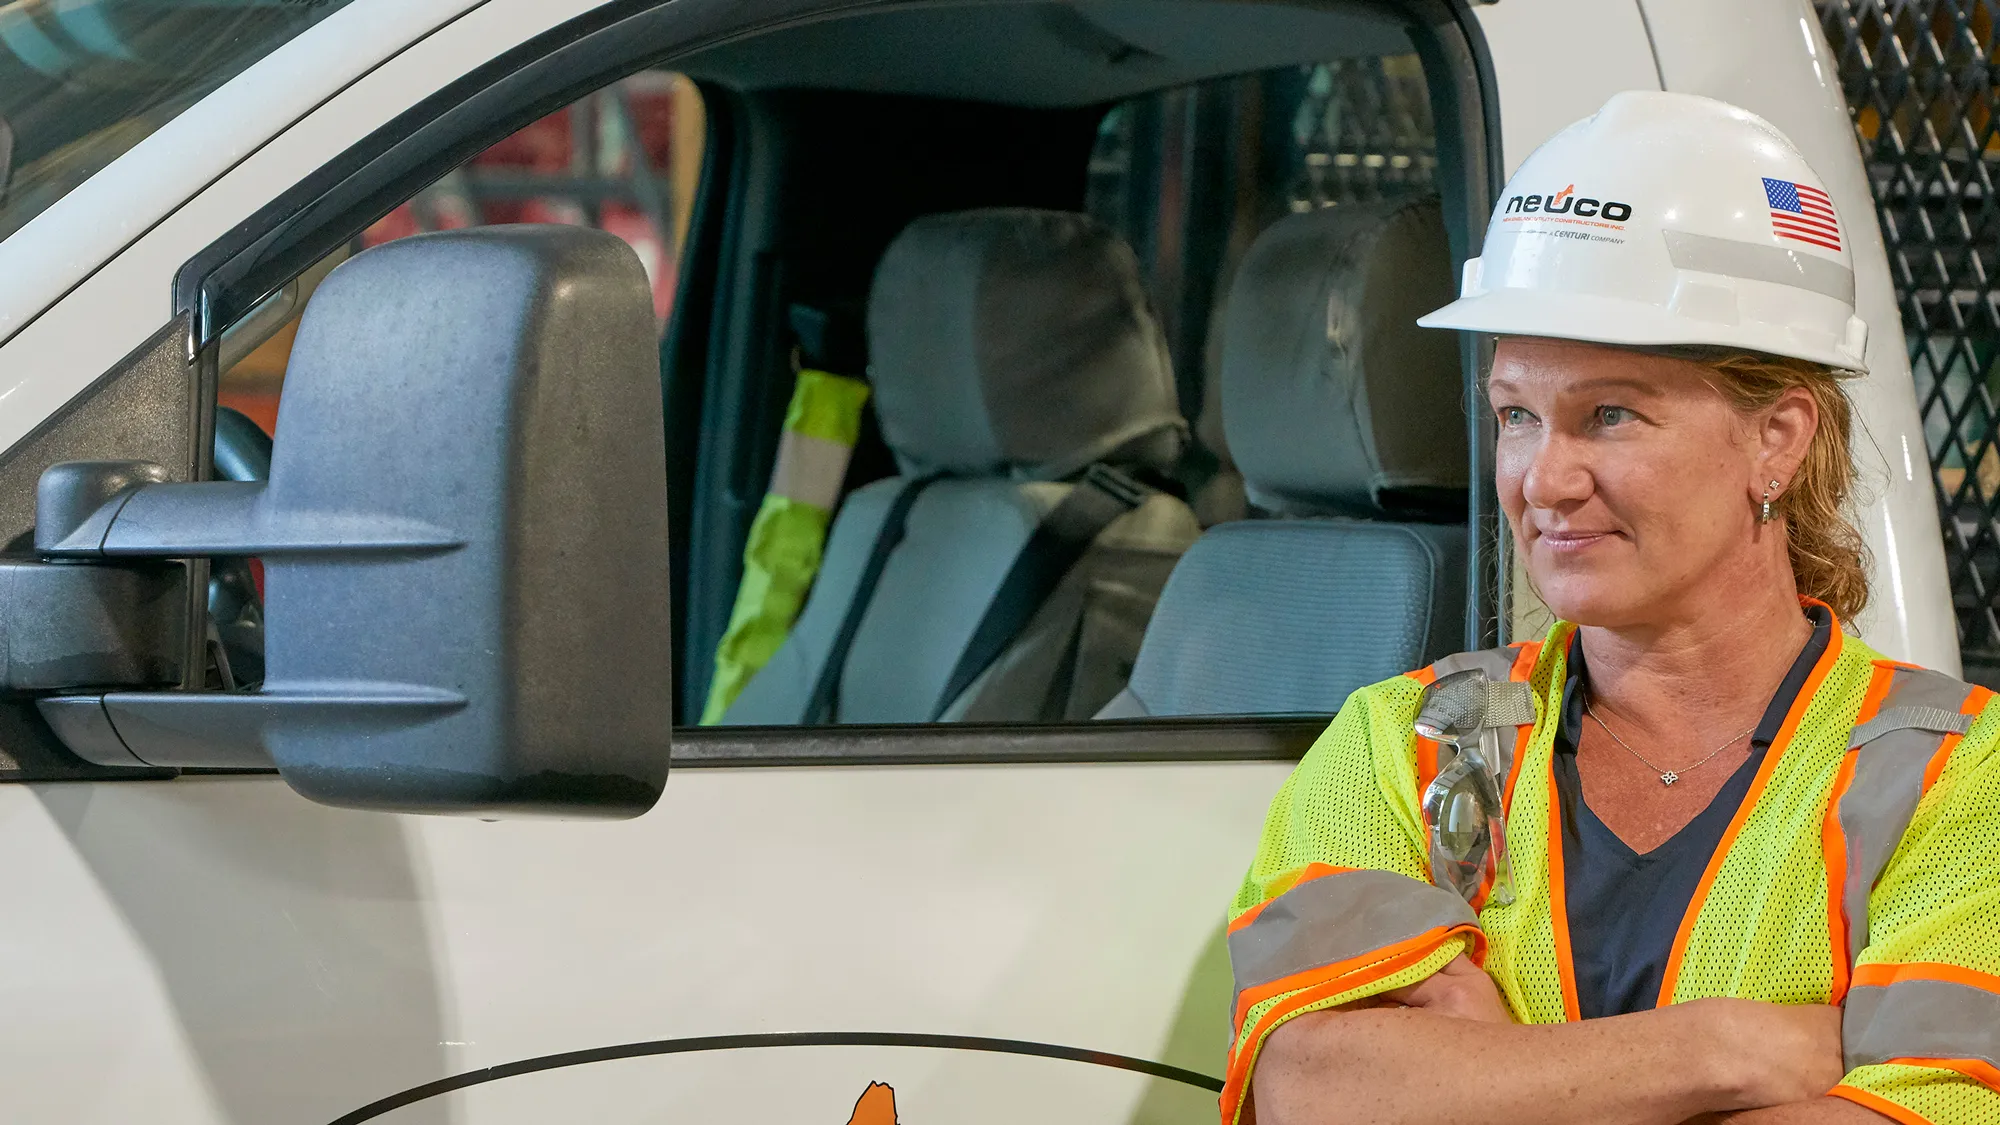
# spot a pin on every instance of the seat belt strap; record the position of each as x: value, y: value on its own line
x: 821, y: 705
x: 1058, y: 541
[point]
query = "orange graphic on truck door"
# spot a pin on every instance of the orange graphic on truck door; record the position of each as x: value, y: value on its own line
x: 876, y: 1106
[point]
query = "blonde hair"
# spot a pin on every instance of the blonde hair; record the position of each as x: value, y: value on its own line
x: 1829, y: 559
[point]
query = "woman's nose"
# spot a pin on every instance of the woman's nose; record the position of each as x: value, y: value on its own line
x: 1556, y: 475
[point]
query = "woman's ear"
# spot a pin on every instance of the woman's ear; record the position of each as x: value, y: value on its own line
x: 1784, y: 436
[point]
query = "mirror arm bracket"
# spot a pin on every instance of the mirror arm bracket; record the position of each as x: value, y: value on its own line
x: 112, y: 509
x: 100, y: 511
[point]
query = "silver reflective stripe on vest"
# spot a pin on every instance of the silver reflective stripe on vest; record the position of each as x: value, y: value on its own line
x: 1498, y: 664
x: 1337, y: 918
x: 1934, y: 719
x: 1920, y: 1019
x: 1895, y: 748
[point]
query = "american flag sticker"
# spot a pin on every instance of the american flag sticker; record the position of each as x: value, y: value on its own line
x: 1802, y: 213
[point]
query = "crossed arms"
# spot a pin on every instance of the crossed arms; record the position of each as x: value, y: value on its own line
x: 1446, y: 1050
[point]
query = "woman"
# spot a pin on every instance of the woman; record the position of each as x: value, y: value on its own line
x: 1749, y: 868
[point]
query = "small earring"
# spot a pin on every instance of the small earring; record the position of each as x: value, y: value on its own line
x: 1766, y: 516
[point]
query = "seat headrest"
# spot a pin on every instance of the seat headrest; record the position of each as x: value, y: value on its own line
x: 1334, y: 401
x: 1018, y: 342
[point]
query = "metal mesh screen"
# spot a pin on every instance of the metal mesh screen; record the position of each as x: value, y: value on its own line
x: 1920, y: 85
x: 1362, y: 130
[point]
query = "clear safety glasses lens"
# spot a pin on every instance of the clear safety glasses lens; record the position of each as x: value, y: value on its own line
x: 1468, y: 832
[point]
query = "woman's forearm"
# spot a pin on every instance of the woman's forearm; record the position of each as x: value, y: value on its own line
x: 1388, y: 1066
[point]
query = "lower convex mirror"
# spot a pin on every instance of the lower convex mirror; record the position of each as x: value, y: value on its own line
x: 464, y: 538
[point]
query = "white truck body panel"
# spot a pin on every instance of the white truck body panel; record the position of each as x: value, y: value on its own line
x: 222, y: 951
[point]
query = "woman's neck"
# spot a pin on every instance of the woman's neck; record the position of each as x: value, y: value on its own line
x: 1711, y: 665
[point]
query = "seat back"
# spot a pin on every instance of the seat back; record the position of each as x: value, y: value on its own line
x: 1009, y: 351
x: 1346, y: 421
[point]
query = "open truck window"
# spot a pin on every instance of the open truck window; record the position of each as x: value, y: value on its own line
x: 960, y: 412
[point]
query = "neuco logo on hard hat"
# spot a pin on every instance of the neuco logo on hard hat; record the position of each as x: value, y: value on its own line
x: 1669, y: 219
x: 1567, y: 202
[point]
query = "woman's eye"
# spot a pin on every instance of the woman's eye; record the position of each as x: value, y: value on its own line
x: 1514, y: 416
x: 1613, y: 415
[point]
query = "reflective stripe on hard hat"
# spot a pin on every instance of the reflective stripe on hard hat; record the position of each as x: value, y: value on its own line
x: 1912, y: 719
x: 781, y: 555
x: 1920, y: 1012
x: 1335, y: 917
x: 1667, y: 220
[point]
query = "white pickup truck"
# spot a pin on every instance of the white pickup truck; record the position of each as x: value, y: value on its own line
x: 235, y: 893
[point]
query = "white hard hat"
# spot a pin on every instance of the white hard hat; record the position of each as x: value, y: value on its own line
x: 1667, y: 219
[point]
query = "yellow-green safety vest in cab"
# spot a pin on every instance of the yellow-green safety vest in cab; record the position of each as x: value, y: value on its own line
x: 782, y: 553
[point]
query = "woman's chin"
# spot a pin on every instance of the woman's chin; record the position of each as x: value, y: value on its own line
x: 1590, y: 599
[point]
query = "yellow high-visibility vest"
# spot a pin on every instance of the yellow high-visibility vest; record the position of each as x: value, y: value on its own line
x: 1863, y: 869
x: 781, y: 556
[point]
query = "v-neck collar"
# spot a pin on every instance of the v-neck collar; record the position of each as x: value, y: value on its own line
x: 1569, y: 732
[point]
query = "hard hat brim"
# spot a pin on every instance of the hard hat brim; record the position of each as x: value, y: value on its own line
x: 1615, y: 321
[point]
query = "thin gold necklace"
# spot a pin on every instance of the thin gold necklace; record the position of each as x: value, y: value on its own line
x: 1667, y: 777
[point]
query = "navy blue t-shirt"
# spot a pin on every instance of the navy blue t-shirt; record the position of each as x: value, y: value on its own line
x: 1625, y: 908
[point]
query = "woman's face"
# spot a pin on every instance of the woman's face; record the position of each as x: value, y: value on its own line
x: 1631, y: 483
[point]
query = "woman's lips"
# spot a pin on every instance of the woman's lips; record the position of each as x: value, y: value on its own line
x: 1567, y: 541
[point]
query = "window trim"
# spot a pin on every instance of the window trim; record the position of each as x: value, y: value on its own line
x: 1209, y: 739
x: 1206, y: 738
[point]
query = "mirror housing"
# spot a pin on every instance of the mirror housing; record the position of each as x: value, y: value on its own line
x: 464, y: 538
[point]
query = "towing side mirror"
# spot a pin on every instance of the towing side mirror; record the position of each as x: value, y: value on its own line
x: 464, y: 538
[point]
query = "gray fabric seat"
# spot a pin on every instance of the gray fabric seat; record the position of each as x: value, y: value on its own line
x: 1009, y: 350
x: 1346, y: 421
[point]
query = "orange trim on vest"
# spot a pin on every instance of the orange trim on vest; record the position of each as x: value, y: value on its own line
x: 1833, y: 847
x: 1423, y: 945
x: 1772, y: 756
x: 1306, y: 874
x: 1318, y: 985
x: 1975, y: 702
x: 1880, y: 1105
x: 1526, y: 655
x: 1523, y: 670
x: 1427, y: 757
x: 1882, y: 975
x: 1559, y: 907
x: 1833, y: 838
x: 1525, y: 660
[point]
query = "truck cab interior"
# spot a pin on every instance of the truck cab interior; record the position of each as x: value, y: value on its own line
x: 1179, y: 247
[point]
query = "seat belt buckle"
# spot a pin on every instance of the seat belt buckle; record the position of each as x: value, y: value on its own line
x: 1117, y: 484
